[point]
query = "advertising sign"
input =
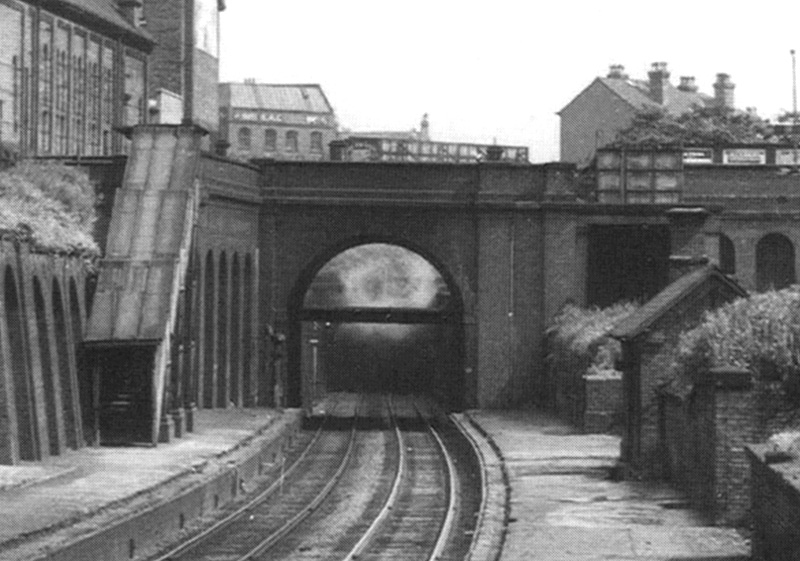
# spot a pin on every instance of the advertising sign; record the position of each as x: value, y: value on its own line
x: 787, y: 157
x: 206, y: 26
x: 744, y: 156
x: 698, y: 156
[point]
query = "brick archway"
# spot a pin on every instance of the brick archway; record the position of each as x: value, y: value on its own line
x: 448, y: 389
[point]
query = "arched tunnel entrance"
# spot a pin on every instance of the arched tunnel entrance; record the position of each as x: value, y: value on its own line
x: 376, y: 317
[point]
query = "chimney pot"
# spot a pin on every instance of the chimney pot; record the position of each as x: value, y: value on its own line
x: 617, y: 71
x: 688, y: 84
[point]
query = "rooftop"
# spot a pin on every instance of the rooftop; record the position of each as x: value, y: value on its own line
x: 308, y: 98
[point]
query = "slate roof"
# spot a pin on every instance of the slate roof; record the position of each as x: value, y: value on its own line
x: 308, y: 98
x: 636, y: 93
x: 639, y: 321
x: 104, y: 11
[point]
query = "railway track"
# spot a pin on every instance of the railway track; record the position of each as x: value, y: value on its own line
x: 378, y: 486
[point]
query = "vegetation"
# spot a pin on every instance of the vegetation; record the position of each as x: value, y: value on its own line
x: 49, y: 205
x: 761, y: 333
x: 701, y: 125
x: 579, y: 337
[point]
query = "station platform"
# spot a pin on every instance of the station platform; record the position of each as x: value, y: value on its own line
x: 564, y: 505
x: 548, y: 493
x: 65, y: 503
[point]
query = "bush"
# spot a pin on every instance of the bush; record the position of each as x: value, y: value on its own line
x: 582, y: 334
x: 50, y: 205
x: 761, y: 333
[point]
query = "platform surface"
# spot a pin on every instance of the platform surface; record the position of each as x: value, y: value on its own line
x: 565, y: 507
x: 36, y: 498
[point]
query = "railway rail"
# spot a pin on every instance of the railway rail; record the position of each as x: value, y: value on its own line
x: 381, y: 483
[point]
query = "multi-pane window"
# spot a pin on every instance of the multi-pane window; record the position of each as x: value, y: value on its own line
x: 10, y: 75
x: 245, y: 139
x: 270, y: 140
x: 78, y: 129
x: 316, y: 142
x: 291, y: 141
x: 134, y: 90
x: 62, y: 33
x: 639, y: 176
x: 45, y: 86
x: 93, y: 96
x: 107, y: 95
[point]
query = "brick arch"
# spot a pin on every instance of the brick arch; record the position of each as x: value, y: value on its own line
x: 63, y: 361
x: 236, y: 332
x: 24, y: 402
x: 51, y: 405
x: 221, y: 365
x: 205, y: 388
x: 295, y: 307
x: 249, y: 389
x: 775, y: 267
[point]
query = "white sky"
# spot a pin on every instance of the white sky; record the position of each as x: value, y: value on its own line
x: 502, y: 68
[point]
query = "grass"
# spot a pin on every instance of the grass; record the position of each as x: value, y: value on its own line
x: 49, y: 205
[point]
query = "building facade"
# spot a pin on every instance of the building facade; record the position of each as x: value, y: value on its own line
x: 606, y: 106
x: 276, y: 121
x: 70, y: 73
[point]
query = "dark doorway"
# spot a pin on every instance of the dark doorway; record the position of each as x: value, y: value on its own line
x: 774, y: 263
x: 627, y: 263
x: 126, y: 405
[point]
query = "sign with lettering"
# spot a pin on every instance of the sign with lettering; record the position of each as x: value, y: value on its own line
x: 698, y: 156
x: 787, y: 157
x: 744, y: 156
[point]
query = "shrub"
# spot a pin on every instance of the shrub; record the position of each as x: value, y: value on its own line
x: 581, y: 335
x: 761, y: 333
x: 50, y: 205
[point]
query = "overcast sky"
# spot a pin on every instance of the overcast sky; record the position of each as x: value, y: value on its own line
x: 501, y: 69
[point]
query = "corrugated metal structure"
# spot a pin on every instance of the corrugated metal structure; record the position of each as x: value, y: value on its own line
x: 128, y: 341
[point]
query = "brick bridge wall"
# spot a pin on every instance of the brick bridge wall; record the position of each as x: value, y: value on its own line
x: 45, y: 403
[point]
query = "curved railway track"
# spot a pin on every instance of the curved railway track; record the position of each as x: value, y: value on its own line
x: 381, y: 487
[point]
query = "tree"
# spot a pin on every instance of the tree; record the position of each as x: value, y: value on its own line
x: 700, y: 125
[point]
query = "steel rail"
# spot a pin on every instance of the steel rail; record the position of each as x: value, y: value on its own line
x: 453, y: 503
x: 219, y: 525
x: 369, y: 534
x: 293, y: 522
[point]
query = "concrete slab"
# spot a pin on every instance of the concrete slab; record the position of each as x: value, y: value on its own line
x: 64, y: 491
x: 565, y: 507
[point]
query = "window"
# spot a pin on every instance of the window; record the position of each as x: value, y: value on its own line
x: 316, y: 142
x: 244, y: 138
x: 291, y: 141
x: 270, y: 140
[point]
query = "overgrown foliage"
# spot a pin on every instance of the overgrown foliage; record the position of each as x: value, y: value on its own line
x: 50, y: 205
x: 701, y: 125
x: 761, y: 333
x: 580, y: 336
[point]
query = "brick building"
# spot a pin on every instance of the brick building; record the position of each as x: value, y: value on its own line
x: 70, y: 72
x: 184, y: 68
x: 607, y: 105
x: 277, y: 121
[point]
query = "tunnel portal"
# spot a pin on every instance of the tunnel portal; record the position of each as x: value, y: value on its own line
x: 379, y: 318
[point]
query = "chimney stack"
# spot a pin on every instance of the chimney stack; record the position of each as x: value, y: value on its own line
x: 687, y: 84
x: 131, y: 10
x: 424, y: 128
x: 617, y: 71
x: 723, y: 91
x: 659, y: 81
